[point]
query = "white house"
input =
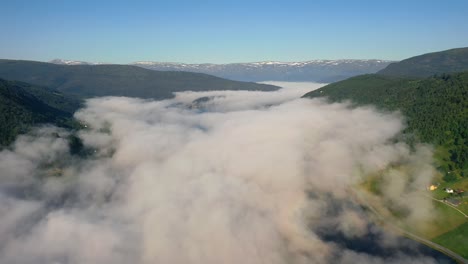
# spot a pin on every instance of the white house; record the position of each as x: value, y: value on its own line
x: 448, y: 190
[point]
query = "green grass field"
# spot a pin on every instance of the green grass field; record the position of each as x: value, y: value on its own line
x: 445, y: 220
x: 446, y: 226
x: 459, y: 184
x: 456, y: 240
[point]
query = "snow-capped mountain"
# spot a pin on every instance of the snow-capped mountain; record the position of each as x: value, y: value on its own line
x: 73, y: 62
x: 315, y: 70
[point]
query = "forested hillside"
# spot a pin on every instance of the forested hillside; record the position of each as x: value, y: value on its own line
x: 436, y: 109
x: 23, y: 105
x: 117, y: 80
x: 426, y: 65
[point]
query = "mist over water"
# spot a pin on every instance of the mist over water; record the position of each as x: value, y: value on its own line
x: 309, y: 86
x: 208, y: 177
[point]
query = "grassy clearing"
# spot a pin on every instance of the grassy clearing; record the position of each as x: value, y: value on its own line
x: 459, y: 184
x: 445, y: 219
x: 456, y: 240
x: 444, y: 225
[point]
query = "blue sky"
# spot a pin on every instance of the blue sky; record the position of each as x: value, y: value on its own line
x: 229, y: 31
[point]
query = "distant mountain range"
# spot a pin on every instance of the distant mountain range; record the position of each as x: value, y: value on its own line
x: 117, y: 80
x: 56, y: 90
x: 324, y: 71
x: 33, y: 93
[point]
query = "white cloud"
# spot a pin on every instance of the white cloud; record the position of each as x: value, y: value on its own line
x: 240, y: 177
x: 309, y: 86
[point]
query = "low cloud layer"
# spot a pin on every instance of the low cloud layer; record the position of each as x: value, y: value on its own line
x: 309, y: 86
x: 209, y: 177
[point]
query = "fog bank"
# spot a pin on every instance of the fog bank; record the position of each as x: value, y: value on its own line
x: 206, y: 177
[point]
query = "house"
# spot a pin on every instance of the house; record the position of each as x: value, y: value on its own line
x: 432, y: 187
x: 448, y: 190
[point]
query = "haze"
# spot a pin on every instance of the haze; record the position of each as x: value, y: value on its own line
x: 238, y: 177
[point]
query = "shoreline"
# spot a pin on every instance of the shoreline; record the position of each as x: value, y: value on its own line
x: 381, y: 221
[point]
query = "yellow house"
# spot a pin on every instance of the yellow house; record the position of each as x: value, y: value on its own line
x: 432, y: 187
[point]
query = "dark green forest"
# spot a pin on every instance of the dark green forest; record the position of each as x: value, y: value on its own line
x: 49, y: 93
x: 434, y: 103
x: 435, y: 108
x: 426, y: 65
x: 117, y: 80
x: 24, y: 105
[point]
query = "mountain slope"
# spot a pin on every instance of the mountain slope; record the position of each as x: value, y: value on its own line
x: 23, y: 105
x: 448, y: 61
x: 117, y: 80
x: 436, y: 108
x: 324, y: 71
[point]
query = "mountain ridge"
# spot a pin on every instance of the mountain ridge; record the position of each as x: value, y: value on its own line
x: 117, y: 80
x: 425, y: 65
x: 435, y: 107
x: 311, y: 70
